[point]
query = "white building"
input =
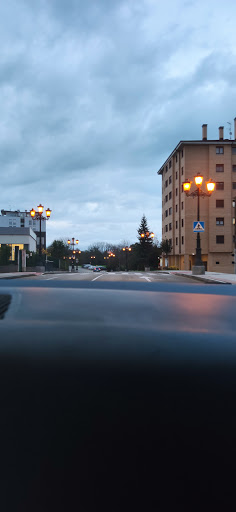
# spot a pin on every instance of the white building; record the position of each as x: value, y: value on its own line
x: 17, y: 219
x: 18, y: 239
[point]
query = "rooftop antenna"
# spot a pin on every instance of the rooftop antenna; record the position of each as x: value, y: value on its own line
x: 230, y: 131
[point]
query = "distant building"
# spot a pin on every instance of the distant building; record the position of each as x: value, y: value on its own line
x: 18, y: 239
x: 214, y: 159
x: 18, y: 219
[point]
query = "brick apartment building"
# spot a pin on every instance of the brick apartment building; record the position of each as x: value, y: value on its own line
x: 214, y: 159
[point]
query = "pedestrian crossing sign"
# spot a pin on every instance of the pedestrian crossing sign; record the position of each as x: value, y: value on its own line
x: 198, y: 227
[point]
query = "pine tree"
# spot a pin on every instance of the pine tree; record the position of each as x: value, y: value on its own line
x: 145, y: 240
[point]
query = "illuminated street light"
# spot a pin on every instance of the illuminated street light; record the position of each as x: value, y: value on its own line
x: 198, y: 192
x: 126, y: 250
x: 39, y: 215
x: 72, y: 242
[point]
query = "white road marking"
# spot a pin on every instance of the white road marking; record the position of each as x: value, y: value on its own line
x: 50, y: 278
x: 97, y: 277
x: 147, y: 278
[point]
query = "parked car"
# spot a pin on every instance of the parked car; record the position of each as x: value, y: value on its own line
x: 97, y: 269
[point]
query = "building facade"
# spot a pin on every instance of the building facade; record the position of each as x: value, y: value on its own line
x: 17, y: 219
x: 18, y: 239
x: 214, y: 159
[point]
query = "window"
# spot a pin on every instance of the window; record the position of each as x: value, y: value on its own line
x: 176, y: 191
x: 176, y: 241
x: 219, y: 203
x: 166, y: 168
x: 182, y: 153
x: 234, y: 168
x: 182, y: 205
x: 217, y: 262
x: 22, y: 223
x: 219, y: 185
x: 234, y: 185
x: 176, y: 224
x: 176, y: 208
x: 170, y: 211
x: 219, y: 150
x: 220, y: 239
x: 176, y: 175
x: 220, y: 221
x: 166, y: 183
x: 166, y: 199
x: 166, y: 213
x: 170, y: 195
x: 170, y: 164
x: 176, y: 157
x: 182, y: 240
x: 166, y: 229
x: 219, y: 167
x: 182, y: 171
x: 170, y: 180
x: 234, y: 150
x: 170, y: 226
x: 182, y: 223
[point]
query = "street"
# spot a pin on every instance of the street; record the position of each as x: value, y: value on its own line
x: 132, y: 276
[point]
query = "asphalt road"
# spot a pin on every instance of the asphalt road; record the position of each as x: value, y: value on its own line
x: 108, y: 277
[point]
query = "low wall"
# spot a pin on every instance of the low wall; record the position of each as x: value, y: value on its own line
x: 6, y: 269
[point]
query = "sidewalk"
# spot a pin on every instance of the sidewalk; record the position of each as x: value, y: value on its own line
x: 214, y: 277
x: 17, y: 275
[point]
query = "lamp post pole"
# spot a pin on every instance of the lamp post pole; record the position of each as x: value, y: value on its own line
x: 72, y: 242
x: 198, y: 268
x: 38, y: 215
x: 126, y: 250
x: 198, y: 248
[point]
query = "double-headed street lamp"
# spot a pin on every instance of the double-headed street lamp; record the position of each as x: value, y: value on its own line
x: 146, y: 234
x: 72, y: 243
x: 39, y: 215
x: 210, y: 185
x: 126, y: 250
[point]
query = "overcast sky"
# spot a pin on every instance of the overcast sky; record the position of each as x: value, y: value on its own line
x: 95, y: 94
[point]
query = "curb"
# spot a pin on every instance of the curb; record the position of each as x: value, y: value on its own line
x: 19, y: 277
x: 203, y: 279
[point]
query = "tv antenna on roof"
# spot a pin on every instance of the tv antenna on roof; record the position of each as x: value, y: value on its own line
x: 230, y: 131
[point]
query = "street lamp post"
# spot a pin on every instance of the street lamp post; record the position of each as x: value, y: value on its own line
x: 126, y: 250
x: 72, y: 243
x: 39, y: 215
x: 210, y: 185
x: 145, y: 237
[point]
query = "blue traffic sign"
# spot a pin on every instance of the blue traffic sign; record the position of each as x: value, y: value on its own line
x: 198, y: 227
